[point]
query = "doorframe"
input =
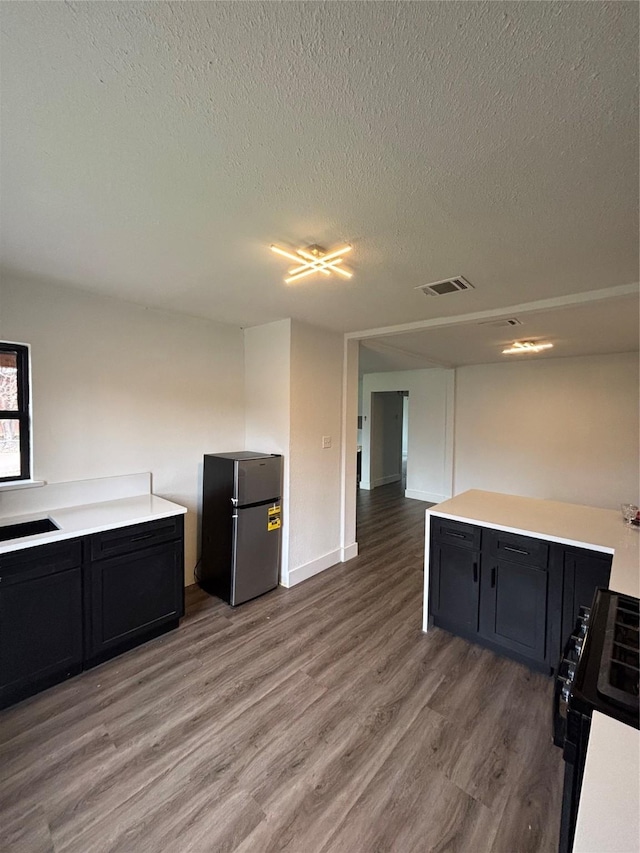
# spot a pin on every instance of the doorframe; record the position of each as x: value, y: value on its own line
x: 348, y: 460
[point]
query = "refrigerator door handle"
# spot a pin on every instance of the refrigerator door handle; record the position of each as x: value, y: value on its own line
x: 234, y: 561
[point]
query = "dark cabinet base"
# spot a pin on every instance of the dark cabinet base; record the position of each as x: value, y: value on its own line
x: 40, y: 619
x: 72, y: 605
x: 510, y: 593
x: 514, y: 609
x: 131, y: 643
x: 129, y: 597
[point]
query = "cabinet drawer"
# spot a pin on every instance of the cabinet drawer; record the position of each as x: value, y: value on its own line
x: 456, y: 532
x: 519, y: 549
x: 39, y: 561
x: 124, y: 540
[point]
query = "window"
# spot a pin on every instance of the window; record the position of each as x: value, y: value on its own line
x: 15, y: 422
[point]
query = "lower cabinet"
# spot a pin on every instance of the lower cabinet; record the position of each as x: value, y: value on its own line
x: 131, y: 597
x: 40, y: 619
x: 455, y: 588
x: 514, y: 608
x: 584, y: 572
x: 515, y: 594
x: 70, y: 605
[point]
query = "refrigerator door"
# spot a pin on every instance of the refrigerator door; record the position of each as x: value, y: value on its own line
x: 258, y: 480
x: 256, y: 552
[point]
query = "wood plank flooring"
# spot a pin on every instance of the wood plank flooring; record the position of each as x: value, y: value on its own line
x: 313, y: 720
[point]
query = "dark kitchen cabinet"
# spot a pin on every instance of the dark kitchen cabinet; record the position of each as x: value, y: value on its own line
x: 495, y: 588
x: 584, y: 572
x: 134, y: 586
x: 515, y: 594
x: 514, y: 608
x: 70, y: 605
x: 515, y: 587
x: 455, y: 575
x: 455, y: 588
x: 40, y: 618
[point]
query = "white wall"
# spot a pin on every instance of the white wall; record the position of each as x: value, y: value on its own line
x: 430, y: 438
x: 119, y: 389
x: 267, y: 366
x: 316, y: 411
x: 564, y: 429
x: 293, y: 381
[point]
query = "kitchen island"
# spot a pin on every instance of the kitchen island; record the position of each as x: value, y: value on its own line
x: 612, y: 765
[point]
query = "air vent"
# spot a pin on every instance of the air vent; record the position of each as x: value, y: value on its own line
x: 447, y: 285
x: 511, y: 321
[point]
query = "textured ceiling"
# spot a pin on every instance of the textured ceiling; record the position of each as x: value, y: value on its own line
x: 153, y: 151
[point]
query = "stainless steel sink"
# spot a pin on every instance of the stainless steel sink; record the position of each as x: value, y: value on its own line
x: 26, y: 528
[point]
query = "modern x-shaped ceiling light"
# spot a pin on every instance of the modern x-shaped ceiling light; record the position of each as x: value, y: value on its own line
x: 525, y: 346
x: 314, y: 259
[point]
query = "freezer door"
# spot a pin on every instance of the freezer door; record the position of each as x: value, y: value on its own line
x: 258, y: 480
x: 256, y: 553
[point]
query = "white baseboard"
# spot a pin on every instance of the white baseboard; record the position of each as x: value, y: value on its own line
x: 314, y: 567
x: 383, y: 481
x: 349, y: 552
x: 430, y: 497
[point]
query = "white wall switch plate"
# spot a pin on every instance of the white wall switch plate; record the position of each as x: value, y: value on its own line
x: 326, y: 442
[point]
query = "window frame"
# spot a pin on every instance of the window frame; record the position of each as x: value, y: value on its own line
x: 23, y: 413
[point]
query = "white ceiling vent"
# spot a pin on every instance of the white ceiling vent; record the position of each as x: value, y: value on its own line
x: 510, y: 321
x: 447, y: 285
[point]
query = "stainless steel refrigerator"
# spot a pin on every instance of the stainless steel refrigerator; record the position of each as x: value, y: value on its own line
x: 241, y: 524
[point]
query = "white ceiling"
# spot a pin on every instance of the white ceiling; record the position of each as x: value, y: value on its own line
x: 153, y: 151
x: 608, y: 326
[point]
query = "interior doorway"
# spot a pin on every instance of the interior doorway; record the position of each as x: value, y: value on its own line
x: 388, y: 439
x: 405, y: 437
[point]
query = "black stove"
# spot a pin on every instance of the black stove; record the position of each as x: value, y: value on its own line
x: 607, y: 668
x: 620, y: 666
x: 599, y: 671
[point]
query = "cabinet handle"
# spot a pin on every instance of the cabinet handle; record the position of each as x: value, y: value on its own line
x: 141, y: 537
x: 475, y: 573
x: 457, y: 535
x: 493, y: 577
x: 516, y: 550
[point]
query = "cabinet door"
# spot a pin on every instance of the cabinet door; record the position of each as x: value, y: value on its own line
x: 40, y: 631
x: 132, y: 595
x: 514, y: 607
x: 584, y: 572
x: 454, y: 583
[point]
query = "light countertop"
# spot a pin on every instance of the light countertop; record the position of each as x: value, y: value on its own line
x: 609, y: 813
x: 569, y: 524
x: 609, y: 810
x: 91, y: 518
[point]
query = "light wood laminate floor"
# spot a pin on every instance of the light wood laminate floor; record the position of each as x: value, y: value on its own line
x: 313, y: 720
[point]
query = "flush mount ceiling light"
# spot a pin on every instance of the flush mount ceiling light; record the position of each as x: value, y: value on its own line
x: 314, y: 259
x: 525, y: 346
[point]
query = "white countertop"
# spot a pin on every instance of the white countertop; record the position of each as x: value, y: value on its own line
x: 608, y: 817
x: 91, y: 518
x: 570, y: 524
x: 608, y: 822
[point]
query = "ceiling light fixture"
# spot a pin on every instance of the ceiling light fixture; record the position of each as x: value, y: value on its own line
x: 525, y: 346
x: 314, y: 259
